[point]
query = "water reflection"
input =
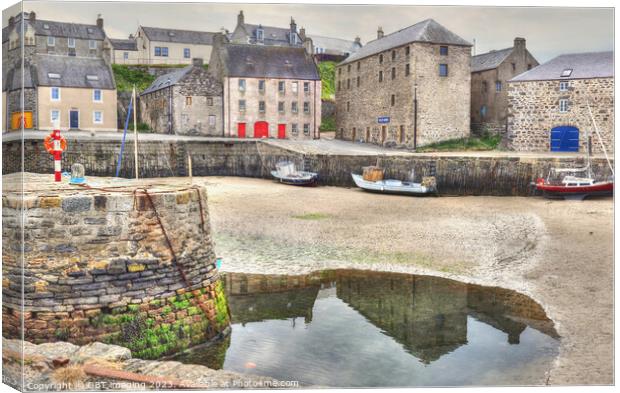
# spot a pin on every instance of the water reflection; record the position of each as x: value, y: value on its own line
x: 361, y: 328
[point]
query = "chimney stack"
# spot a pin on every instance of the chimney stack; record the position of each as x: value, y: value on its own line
x: 99, y: 21
x: 32, y: 16
x: 519, y: 44
x: 379, y: 32
x: 308, y: 46
x: 293, y: 25
x: 11, y: 21
x: 358, y: 41
x: 240, y: 18
x: 302, y: 34
x: 197, y: 61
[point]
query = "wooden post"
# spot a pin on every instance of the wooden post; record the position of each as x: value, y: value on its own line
x: 189, y: 166
x: 135, y: 130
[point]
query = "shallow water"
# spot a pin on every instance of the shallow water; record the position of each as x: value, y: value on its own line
x: 368, y: 329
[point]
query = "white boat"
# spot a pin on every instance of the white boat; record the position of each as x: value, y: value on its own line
x: 287, y: 173
x: 391, y: 186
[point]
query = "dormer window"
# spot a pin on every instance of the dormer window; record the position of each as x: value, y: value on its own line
x: 92, y: 78
x: 46, y: 26
x: 52, y: 75
x: 260, y: 35
x: 566, y: 73
x: 171, y: 33
x: 89, y: 30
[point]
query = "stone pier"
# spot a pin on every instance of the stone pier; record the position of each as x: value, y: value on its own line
x: 123, y: 262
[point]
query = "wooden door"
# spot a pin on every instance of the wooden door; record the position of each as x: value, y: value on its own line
x: 261, y: 129
x: 240, y: 130
x: 281, y: 131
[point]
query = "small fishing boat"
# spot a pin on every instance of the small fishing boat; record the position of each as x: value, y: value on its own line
x: 373, y: 181
x: 573, y: 187
x: 286, y: 173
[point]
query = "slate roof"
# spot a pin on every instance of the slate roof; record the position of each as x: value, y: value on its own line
x: 271, y: 35
x: 124, y: 44
x: 489, y: 60
x: 259, y: 61
x: 178, y: 36
x: 59, y: 29
x: 584, y: 66
x: 73, y: 72
x: 426, y: 31
x: 331, y: 44
x: 168, y: 79
x: 12, y: 77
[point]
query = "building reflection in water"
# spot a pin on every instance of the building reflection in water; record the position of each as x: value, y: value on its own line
x: 426, y: 315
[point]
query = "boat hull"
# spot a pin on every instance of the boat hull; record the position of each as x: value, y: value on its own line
x: 304, y: 179
x: 554, y: 191
x: 392, y: 187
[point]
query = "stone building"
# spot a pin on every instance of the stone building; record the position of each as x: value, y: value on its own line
x: 408, y: 88
x: 187, y: 101
x: 246, y: 33
x: 489, y: 73
x: 65, y: 75
x: 122, y: 51
x: 269, y: 91
x: 172, y: 46
x: 548, y: 105
x: 330, y: 48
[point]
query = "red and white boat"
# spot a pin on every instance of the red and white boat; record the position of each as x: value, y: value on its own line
x: 573, y: 187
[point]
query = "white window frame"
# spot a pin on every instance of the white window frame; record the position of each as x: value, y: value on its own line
x: 189, y: 53
x: 71, y: 42
x: 294, y: 128
x: 52, y: 93
x: 306, y: 128
x: 95, y: 117
x: 125, y: 55
x: 294, y: 87
x: 212, y: 120
x: 92, y: 44
x: 564, y: 85
x: 563, y: 105
x: 51, y: 40
x: 260, y: 35
x: 242, y: 84
x: 52, y: 115
x: 100, y: 95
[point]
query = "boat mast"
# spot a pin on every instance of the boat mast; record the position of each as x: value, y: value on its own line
x: 598, y: 134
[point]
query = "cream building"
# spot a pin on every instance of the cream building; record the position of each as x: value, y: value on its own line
x: 172, y: 46
x: 82, y: 95
x: 122, y: 51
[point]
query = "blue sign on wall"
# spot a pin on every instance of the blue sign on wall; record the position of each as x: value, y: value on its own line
x: 383, y: 119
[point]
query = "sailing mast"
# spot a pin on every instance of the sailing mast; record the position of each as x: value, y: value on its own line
x: 598, y: 134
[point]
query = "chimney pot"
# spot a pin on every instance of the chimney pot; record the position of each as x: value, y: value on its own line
x: 358, y: 40
x: 32, y: 16
x: 380, y: 32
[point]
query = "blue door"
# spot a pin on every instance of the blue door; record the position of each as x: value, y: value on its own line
x: 74, y: 119
x: 565, y: 138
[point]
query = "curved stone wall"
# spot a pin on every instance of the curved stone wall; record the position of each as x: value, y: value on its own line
x: 131, y: 264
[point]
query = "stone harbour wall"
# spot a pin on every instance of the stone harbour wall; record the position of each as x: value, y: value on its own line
x: 97, y: 267
x: 456, y: 175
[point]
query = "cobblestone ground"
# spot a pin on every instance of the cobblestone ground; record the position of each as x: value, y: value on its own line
x: 558, y: 252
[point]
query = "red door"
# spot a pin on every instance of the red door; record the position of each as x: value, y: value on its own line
x: 281, y: 131
x: 240, y: 130
x: 261, y: 129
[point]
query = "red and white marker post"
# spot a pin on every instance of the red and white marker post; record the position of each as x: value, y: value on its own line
x: 55, y: 144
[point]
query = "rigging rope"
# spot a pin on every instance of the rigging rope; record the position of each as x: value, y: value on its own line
x: 599, y: 138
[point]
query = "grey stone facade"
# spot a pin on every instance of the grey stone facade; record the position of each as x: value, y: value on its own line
x: 556, y: 94
x: 534, y: 111
x: 190, y: 105
x: 489, y: 90
x: 399, y: 82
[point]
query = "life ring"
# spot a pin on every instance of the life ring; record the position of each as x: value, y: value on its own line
x: 48, y: 142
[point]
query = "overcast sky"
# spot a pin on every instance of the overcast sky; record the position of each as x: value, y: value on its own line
x: 549, y: 31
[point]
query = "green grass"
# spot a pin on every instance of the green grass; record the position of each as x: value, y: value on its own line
x: 485, y: 142
x: 127, y: 76
x: 312, y: 216
x: 327, y: 70
x: 328, y: 123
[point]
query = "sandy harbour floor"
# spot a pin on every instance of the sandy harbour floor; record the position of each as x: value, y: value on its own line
x: 558, y: 252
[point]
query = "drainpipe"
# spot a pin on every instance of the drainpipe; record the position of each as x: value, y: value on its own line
x: 169, y: 108
x: 415, y: 116
x: 316, y: 129
x: 228, y: 97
